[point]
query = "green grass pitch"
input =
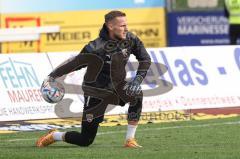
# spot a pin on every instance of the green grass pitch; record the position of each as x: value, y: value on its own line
x: 205, y: 139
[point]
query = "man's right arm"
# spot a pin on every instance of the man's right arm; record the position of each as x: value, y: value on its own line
x: 72, y: 64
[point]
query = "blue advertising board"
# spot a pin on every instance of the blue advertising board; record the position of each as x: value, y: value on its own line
x: 196, y: 28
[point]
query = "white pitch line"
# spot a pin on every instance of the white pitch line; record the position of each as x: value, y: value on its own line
x: 13, y: 140
x: 150, y: 129
x: 174, y: 127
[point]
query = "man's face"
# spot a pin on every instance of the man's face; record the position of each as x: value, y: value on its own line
x: 118, y: 28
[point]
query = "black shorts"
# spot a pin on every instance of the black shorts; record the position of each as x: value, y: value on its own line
x: 96, y: 101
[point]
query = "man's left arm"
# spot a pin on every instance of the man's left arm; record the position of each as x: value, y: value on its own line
x: 142, y: 56
x: 144, y: 60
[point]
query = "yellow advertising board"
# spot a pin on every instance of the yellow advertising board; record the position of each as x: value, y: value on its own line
x: 77, y: 28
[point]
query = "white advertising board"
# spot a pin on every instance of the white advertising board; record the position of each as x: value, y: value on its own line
x: 197, y: 78
x: 20, y: 78
x: 202, y: 77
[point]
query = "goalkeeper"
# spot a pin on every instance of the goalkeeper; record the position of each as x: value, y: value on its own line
x: 104, y: 82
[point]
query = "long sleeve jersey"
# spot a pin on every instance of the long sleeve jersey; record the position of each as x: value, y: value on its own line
x: 106, y: 59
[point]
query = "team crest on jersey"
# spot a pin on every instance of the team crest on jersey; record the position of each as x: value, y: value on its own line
x: 89, y: 117
x: 125, y: 52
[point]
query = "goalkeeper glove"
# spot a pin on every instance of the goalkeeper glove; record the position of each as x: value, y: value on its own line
x: 134, y: 87
x: 47, y: 80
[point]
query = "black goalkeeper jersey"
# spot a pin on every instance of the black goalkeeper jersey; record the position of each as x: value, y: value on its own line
x: 106, y: 60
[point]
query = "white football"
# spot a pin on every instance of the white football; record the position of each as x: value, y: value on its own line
x: 52, y: 92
